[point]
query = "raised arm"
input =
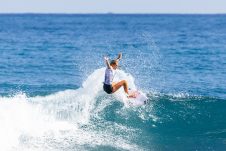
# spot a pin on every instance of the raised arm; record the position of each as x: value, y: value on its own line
x: 107, y: 62
x: 119, y: 57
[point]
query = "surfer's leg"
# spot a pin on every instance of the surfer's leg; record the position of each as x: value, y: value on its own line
x: 118, y: 85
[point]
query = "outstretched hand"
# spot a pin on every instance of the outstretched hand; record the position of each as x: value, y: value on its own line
x: 119, y: 56
x: 106, y: 58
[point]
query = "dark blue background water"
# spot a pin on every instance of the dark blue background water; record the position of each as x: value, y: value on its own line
x: 182, y: 58
x: 171, y: 53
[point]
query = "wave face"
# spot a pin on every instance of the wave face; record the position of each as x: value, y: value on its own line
x: 89, y: 119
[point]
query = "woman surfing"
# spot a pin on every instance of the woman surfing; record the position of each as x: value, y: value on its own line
x: 110, y: 86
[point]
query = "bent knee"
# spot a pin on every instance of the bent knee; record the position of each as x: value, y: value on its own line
x: 124, y: 81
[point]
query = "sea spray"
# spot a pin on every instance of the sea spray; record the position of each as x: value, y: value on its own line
x: 30, y: 121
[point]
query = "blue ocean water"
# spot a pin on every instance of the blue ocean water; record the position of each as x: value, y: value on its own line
x: 51, y: 94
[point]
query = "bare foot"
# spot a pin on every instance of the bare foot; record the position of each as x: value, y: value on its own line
x: 133, y: 95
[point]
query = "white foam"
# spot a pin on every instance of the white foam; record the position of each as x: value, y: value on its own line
x: 19, y: 117
x: 30, y: 119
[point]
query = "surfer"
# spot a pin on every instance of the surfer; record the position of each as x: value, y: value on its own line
x: 110, y: 86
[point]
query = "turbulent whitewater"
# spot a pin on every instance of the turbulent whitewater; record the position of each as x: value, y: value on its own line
x: 71, y: 116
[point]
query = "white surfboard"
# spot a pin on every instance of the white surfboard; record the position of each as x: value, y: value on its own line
x: 139, y: 99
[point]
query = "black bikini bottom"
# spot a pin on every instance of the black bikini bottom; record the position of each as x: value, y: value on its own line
x: 107, y: 88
